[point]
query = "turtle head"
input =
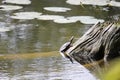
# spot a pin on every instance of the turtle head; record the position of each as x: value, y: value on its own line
x: 71, y: 39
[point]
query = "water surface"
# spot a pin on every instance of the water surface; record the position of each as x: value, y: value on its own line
x: 31, y: 35
x: 41, y: 66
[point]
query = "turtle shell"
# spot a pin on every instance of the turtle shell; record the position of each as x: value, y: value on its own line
x: 65, y: 46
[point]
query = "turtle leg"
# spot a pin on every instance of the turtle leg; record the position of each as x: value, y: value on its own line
x: 71, y: 60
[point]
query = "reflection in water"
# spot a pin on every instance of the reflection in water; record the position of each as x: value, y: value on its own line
x: 44, y: 68
x: 18, y: 36
x: 29, y: 37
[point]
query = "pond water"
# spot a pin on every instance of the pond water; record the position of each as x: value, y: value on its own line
x: 32, y: 31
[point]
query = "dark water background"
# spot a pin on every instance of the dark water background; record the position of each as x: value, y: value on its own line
x: 39, y: 36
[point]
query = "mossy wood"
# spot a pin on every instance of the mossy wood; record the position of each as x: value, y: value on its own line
x: 101, y: 41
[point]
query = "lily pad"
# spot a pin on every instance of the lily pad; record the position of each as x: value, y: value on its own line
x: 95, y: 2
x: 79, y: 18
x: 64, y: 20
x: 91, y: 21
x: 23, y: 2
x: 49, y: 17
x: 114, y: 3
x: 26, y: 15
x: 9, y: 7
x: 57, y: 9
x: 73, y: 2
x: 88, y: 2
x: 86, y: 19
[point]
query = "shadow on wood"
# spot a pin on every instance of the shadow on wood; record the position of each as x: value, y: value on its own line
x: 101, y: 41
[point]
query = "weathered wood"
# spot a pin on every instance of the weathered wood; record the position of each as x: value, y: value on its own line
x: 101, y: 41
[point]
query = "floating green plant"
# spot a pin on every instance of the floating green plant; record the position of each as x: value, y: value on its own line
x: 26, y: 15
x: 94, y: 2
x: 49, y: 17
x: 57, y: 9
x: 9, y: 7
x: 23, y: 2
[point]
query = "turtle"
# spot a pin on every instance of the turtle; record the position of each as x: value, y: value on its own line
x: 65, y: 47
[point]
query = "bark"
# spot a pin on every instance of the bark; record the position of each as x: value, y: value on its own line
x: 101, y: 41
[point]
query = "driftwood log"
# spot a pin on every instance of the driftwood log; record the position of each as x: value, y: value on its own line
x: 101, y: 41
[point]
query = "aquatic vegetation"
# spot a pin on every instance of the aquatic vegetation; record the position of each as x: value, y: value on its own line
x: 86, y: 19
x: 94, y: 2
x: 82, y: 19
x: 64, y: 20
x: 57, y: 9
x: 26, y: 15
x: 114, y: 3
x: 73, y: 2
x: 56, y: 18
x: 91, y: 21
x: 23, y: 2
x: 9, y: 7
x: 87, y: 2
x: 49, y: 17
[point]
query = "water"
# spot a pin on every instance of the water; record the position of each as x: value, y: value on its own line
x: 41, y: 67
x: 29, y: 42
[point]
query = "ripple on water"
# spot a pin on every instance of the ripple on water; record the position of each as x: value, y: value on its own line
x: 61, y: 69
x: 4, y: 29
x: 45, y: 68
